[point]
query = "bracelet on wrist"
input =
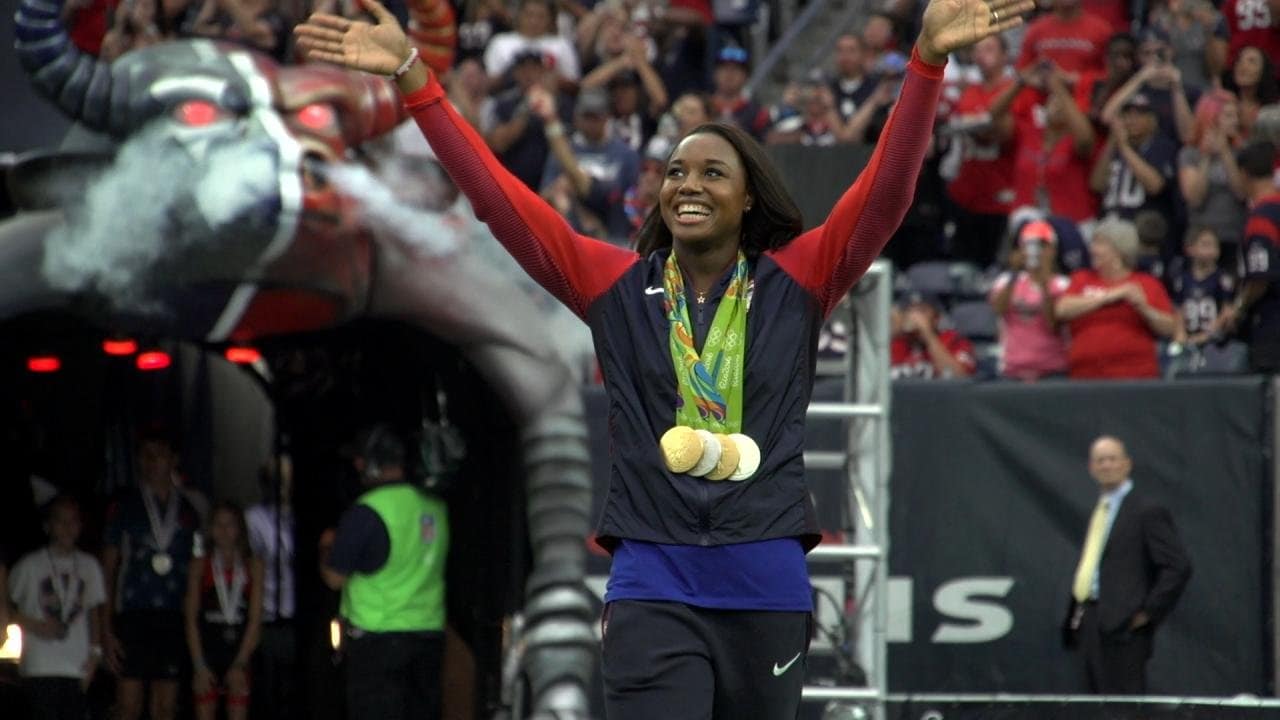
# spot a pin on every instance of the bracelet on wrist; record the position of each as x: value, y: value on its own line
x: 555, y: 129
x: 406, y: 65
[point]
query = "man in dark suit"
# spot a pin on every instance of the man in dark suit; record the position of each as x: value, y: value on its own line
x: 1132, y: 570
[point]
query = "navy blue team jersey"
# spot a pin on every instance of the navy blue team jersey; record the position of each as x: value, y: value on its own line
x: 1201, y: 301
x: 1126, y: 197
x: 1261, y: 261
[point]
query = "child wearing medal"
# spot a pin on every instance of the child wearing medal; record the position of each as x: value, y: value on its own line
x: 150, y: 538
x: 58, y: 595
x: 707, y: 343
x: 223, y: 612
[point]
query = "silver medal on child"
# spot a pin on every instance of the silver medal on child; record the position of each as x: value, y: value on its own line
x: 162, y: 529
x: 162, y: 563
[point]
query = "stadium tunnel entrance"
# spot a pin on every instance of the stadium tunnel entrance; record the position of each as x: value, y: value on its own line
x: 74, y: 395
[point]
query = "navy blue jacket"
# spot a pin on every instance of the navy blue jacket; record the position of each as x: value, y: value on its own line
x: 619, y: 295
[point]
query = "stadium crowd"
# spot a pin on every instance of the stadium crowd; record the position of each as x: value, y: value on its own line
x: 1104, y: 197
x: 1098, y: 200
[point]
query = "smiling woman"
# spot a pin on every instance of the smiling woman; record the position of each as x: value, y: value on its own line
x: 706, y: 340
x: 719, y: 165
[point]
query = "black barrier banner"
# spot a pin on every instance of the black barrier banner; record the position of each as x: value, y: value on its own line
x: 1076, y: 708
x: 990, y: 499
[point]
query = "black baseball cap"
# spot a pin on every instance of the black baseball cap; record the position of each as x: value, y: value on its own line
x: 919, y: 297
x: 528, y: 55
x: 624, y: 79
x: 1138, y: 101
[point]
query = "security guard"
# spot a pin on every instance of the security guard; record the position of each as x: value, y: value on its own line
x: 388, y: 559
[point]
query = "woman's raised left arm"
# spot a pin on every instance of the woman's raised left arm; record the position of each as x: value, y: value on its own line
x: 831, y: 257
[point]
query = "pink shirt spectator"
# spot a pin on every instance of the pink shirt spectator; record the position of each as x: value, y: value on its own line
x: 1032, y: 348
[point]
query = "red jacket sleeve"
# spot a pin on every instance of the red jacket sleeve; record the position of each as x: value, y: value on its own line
x: 828, y: 259
x: 574, y: 268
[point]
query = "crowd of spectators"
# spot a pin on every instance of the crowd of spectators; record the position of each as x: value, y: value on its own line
x: 111, y: 28
x: 1109, y: 180
x: 1096, y: 110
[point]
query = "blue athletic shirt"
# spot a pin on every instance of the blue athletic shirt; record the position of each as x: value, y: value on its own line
x: 763, y: 575
x: 760, y: 575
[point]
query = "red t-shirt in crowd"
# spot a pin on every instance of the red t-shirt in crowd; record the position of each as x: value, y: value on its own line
x: 908, y: 357
x: 984, y: 183
x: 702, y: 7
x: 1114, y: 341
x: 1249, y: 22
x: 1077, y: 45
x: 1059, y: 172
x: 88, y: 25
x: 1114, y: 12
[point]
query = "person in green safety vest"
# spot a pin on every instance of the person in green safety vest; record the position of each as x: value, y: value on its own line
x: 387, y: 556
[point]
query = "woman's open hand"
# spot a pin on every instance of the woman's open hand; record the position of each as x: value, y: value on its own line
x: 952, y: 24
x: 356, y: 44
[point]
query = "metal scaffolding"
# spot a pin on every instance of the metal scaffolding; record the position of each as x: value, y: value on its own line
x: 865, y: 462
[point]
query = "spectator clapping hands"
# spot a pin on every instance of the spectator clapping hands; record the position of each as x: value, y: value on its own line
x: 542, y: 103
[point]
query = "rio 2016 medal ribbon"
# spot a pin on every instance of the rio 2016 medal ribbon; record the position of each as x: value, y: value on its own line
x: 681, y: 448
x: 748, y: 457
x: 728, y: 459
x: 710, y: 454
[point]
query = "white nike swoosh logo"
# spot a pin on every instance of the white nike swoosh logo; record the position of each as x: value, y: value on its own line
x: 777, y: 671
x: 653, y: 291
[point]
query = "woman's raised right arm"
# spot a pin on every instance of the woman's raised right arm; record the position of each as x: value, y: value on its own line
x: 574, y: 268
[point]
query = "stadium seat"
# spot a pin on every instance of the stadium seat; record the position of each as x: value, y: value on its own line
x: 975, y: 320
x: 933, y: 277
x: 946, y: 279
x: 986, y: 356
x: 1210, y: 359
x: 968, y: 280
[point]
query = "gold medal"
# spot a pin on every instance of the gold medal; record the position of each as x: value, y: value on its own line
x: 748, y: 457
x: 681, y: 448
x: 728, y: 459
x: 710, y: 454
